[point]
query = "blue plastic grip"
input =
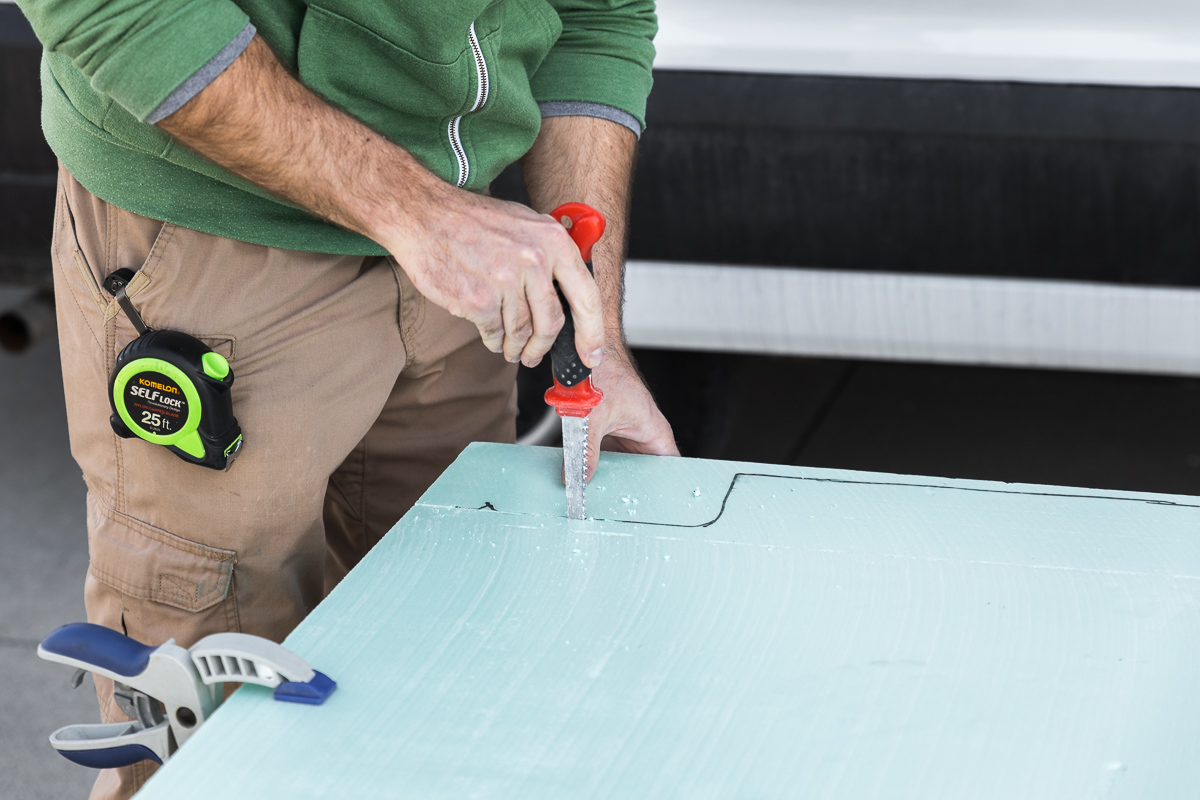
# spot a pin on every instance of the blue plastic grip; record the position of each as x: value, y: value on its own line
x: 313, y: 693
x: 101, y: 647
x: 110, y: 757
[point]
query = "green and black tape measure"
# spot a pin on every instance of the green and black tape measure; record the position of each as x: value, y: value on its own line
x: 171, y: 389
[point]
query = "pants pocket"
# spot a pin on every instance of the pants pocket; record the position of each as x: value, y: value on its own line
x: 145, y: 563
x: 75, y: 274
x: 153, y: 586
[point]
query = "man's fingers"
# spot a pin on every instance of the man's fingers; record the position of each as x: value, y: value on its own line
x: 663, y: 445
x: 501, y: 276
x: 548, y: 319
x: 581, y: 292
x: 491, y: 330
x: 518, y: 325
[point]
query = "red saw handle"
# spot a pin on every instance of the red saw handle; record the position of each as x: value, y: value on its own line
x: 584, y: 223
x: 572, y: 394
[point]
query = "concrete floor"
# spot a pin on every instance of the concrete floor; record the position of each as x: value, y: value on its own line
x: 43, y: 558
x: 1084, y: 429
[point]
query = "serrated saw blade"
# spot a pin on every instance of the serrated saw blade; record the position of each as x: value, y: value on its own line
x: 575, y: 431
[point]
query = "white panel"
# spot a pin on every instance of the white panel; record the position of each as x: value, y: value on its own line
x: 1154, y: 42
x: 913, y: 317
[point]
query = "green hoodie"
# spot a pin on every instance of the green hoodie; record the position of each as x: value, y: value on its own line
x: 456, y: 83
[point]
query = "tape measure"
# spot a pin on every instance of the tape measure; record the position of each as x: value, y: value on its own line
x: 171, y: 389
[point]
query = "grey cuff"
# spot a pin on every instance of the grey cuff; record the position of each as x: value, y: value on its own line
x: 203, y: 76
x: 572, y: 108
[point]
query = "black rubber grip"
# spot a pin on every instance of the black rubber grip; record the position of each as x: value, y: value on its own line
x: 568, y: 368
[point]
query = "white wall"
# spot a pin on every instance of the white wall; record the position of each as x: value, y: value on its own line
x: 1152, y: 42
x: 1010, y: 322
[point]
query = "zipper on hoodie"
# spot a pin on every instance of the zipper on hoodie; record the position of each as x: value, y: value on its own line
x: 481, y: 95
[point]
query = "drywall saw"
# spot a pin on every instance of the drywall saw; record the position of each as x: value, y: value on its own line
x: 168, y: 691
x: 572, y: 394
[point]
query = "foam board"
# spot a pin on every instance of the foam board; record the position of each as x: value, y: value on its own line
x: 738, y: 630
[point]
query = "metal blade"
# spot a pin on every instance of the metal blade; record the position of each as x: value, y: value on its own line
x: 575, y: 431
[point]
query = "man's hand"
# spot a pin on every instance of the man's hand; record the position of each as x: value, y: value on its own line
x: 627, y: 420
x: 494, y: 263
x: 590, y: 160
x: 488, y: 261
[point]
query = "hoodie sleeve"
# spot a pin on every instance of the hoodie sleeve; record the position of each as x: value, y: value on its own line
x: 140, y: 52
x: 603, y: 56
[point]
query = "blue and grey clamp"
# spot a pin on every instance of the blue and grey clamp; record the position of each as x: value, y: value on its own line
x: 168, y: 691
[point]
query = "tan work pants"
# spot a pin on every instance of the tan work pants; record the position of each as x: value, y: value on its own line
x: 353, y: 393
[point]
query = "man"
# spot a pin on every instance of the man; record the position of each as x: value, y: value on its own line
x: 302, y: 187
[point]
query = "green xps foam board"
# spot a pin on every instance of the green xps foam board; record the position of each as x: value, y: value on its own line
x: 723, y: 630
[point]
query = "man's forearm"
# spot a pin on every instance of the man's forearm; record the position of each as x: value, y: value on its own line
x: 260, y: 123
x: 589, y: 160
x: 488, y: 261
